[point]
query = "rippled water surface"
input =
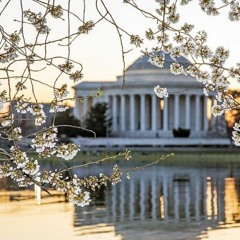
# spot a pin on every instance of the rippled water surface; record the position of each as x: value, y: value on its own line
x: 158, y: 203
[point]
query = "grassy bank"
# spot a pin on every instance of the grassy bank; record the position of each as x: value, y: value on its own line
x: 217, y: 158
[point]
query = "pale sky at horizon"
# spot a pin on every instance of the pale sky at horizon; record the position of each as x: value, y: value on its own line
x: 100, y: 54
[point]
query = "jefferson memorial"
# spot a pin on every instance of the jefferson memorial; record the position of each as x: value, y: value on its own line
x: 137, y: 113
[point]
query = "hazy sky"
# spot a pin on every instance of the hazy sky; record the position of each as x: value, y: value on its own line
x: 101, y: 56
x: 99, y: 52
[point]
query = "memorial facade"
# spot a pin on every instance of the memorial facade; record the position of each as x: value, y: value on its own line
x: 136, y: 111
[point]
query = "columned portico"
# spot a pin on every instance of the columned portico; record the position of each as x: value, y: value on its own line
x: 150, y: 120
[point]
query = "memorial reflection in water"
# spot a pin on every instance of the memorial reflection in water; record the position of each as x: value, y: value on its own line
x: 167, y: 203
x: 167, y: 194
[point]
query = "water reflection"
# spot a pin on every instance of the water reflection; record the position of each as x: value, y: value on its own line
x: 164, y: 196
x: 167, y: 203
x: 168, y: 194
x: 232, y: 210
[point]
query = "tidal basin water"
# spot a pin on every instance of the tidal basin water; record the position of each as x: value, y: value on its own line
x: 157, y: 203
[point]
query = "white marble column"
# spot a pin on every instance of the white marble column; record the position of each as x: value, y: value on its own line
x: 197, y: 113
x: 154, y: 111
x: 187, y: 111
x: 85, y: 107
x: 132, y: 112
x: 142, y: 112
x: 114, y: 114
x: 176, y: 111
x: 123, y: 113
x: 76, y: 110
x: 205, y: 117
x: 165, y: 115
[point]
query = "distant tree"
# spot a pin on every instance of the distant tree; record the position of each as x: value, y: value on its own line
x: 67, y: 118
x: 234, y: 114
x: 98, y: 120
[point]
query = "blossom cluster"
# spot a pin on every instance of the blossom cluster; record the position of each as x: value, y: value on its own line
x: 236, y: 134
x: 45, y: 141
x: 67, y: 151
x: 37, y: 111
x: 9, y: 54
x: 78, y: 189
x: 24, y: 169
x: 234, y: 14
x: 7, y: 120
x: 61, y: 92
x: 38, y: 21
x: 72, y: 187
x: 5, y: 170
x: 86, y: 27
x: 212, y: 7
x: 160, y: 92
x: 56, y: 107
x: 3, y: 98
x: 15, y: 134
x: 217, y: 110
x: 45, y: 144
x: 10, y: 48
x: 157, y: 59
x: 56, y: 11
x: 136, y: 40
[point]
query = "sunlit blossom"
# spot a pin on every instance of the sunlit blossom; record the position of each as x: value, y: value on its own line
x: 176, y: 68
x: 67, y: 151
x: 160, y: 92
x: 217, y: 110
x: 157, y: 59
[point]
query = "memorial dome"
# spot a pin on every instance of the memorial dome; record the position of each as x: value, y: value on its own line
x: 142, y: 63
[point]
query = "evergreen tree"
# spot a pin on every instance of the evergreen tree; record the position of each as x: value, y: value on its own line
x: 67, y: 118
x: 98, y: 121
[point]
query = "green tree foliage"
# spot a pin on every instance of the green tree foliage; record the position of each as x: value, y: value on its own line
x: 67, y: 118
x: 98, y: 120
